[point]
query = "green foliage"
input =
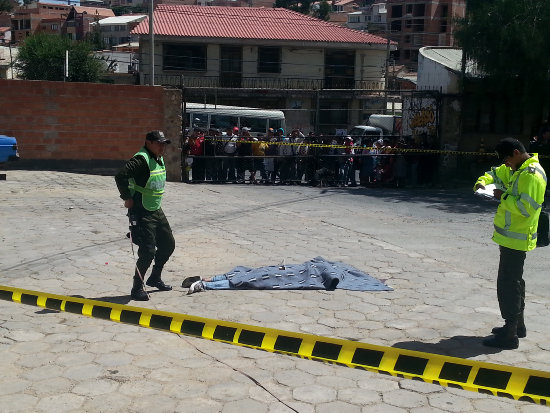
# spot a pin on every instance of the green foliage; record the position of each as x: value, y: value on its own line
x: 284, y: 4
x: 6, y: 5
x: 509, y: 40
x: 94, y: 37
x: 123, y: 10
x: 42, y: 57
x: 323, y: 12
x: 303, y: 7
x: 83, y: 65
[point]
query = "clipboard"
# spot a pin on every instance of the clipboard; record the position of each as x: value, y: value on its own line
x: 487, y: 192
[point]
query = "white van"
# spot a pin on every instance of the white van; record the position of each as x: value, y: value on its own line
x: 378, y: 126
x: 206, y: 117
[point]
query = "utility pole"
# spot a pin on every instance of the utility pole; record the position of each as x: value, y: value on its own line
x: 66, y: 68
x: 11, y: 61
x: 386, y: 77
x: 152, y: 34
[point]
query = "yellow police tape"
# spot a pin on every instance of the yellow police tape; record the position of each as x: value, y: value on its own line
x: 499, y: 380
x: 382, y: 150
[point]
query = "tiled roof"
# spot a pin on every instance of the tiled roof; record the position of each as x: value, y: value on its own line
x: 344, y: 2
x: 249, y: 23
x: 100, y: 11
x: 46, y: 3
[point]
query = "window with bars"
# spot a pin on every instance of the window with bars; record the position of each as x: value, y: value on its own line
x: 184, y: 57
x: 269, y: 60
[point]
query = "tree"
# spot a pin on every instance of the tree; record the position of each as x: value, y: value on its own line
x: 94, y: 37
x: 323, y: 10
x: 303, y: 7
x: 6, y: 5
x: 122, y: 10
x: 508, y: 39
x: 42, y: 57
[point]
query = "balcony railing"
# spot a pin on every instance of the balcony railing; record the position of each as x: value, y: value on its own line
x: 265, y: 83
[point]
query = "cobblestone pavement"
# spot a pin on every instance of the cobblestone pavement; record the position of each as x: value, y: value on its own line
x: 64, y: 233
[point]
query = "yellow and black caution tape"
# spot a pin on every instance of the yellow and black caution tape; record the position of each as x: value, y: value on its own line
x: 499, y: 380
x: 380, y: 151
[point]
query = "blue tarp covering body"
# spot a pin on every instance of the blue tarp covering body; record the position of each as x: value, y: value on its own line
x: 316, y: 274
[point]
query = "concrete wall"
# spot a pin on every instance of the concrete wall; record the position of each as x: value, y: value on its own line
x: 432, y: 73
x: 85, y: 125
x: 369, y: 67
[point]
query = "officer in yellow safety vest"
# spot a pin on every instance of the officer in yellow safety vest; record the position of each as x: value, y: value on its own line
x: 521, y: 184
x: 141, y: 185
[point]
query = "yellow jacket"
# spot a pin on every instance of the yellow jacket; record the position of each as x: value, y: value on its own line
x: 516, y: 219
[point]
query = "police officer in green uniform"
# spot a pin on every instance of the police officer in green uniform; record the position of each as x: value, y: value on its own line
x: 521, y: 183
x: 141, y: 185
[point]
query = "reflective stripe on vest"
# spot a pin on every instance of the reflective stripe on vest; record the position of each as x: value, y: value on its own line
x: 525, y: 197
x: 531, y: 201
x: 514, y: 235
x: 541, y: 172
x: 154, y: 188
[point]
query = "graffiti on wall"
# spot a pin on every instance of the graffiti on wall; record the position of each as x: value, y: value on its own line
x: 420, y: 116
x: 424, y: 118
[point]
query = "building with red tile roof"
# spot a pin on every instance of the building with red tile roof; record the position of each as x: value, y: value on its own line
x: 251, y: 23
x: 27, y: 18
x: 340, y: 9
x: 5, y: 35
x: 276, y: 57
x: 80, y: 18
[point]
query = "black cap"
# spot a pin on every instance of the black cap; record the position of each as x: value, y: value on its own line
x: 506, y: 148
x: 157, y: 136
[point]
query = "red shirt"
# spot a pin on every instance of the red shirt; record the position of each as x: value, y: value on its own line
x: 197, y: 146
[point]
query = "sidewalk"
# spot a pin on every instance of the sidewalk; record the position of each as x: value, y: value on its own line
x: 64, y: 234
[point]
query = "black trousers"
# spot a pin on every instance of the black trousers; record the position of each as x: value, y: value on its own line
x: 156, y: 241
x: 510, y: 283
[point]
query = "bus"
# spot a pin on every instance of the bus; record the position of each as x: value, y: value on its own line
x: 206, y: 117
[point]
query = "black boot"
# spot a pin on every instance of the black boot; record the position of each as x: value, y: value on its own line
x: 138, y: 293
x: 507, y: 338
x: 521, y: 331
x: 155, y: 281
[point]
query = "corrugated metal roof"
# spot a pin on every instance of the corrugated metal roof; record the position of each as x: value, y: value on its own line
x: 122, y: 19
x: 249, y: 23
x: 448, y: 56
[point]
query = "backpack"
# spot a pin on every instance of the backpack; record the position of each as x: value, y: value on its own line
x: 542, y: 232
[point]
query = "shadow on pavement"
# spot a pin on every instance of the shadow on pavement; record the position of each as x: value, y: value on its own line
x: 117, y: 299
x: 457, y: 346
x: 461, y: 199
x: 123, y: 299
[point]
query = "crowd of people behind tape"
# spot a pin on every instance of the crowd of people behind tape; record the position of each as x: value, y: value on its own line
x: 234, y: 156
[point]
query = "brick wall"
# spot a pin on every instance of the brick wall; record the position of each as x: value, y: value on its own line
x: 87, y: 125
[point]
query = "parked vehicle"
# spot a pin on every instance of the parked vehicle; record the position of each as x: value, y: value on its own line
x: 205, y: 116
x: 378, y: 126
x: 8, y: 149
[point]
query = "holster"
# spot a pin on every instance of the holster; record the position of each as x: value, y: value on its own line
x: 134, y: 226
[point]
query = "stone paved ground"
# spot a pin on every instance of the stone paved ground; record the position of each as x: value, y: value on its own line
x: 63, y: 233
